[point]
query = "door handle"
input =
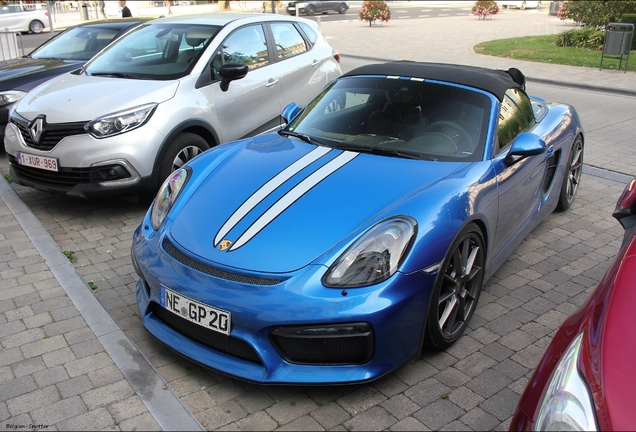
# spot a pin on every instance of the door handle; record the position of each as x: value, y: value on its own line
x: 272, y: 82
x: 315, y: 63
x: 550, y: 152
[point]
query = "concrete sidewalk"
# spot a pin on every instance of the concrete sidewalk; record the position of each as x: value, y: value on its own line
x: 66, y: 364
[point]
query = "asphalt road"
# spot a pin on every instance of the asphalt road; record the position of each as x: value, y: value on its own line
x: 409, y: 11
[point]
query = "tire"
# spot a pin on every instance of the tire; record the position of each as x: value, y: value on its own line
x: 539, y: 5
x: 36, y: 27
x: 523, y: 5
x: 571, y: 176
x: 310, y: 10
x: 454, y: 297
x: 183, y: 148
x: 342, y: 9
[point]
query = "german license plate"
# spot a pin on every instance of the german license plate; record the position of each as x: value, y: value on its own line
x: 34, y: 161
x: 195, y: 312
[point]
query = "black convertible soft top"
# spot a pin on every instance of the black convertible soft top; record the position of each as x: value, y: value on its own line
x: 490, y: 80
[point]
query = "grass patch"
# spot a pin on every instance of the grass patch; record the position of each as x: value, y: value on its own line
x: 92, y: 285
x: 70, y: 255
x: 541, y: 49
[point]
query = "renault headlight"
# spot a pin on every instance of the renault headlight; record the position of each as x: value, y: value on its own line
x: 11, y: 96
x: 167, y: 196
x: 121, y: 121
x: 375, y: 256
x: 567, y: 403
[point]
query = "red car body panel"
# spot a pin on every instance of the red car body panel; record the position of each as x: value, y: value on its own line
x: 608, y: 354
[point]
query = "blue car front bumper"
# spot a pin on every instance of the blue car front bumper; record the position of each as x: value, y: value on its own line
x: 290, y: 331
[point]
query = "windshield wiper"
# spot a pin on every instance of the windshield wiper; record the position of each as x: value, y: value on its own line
x: 302, y: 137
x: 385, y: 152
x: 117, y: 75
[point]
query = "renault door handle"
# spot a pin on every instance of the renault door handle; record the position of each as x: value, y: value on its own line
x: 315, y: 63
x: 272, y: 82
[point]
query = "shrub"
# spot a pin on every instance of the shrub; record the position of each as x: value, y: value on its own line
x: 630, y: 18
x: 587, y: 38
x: 485, y: 8
x: 596, y: 13
x: 374, y: 10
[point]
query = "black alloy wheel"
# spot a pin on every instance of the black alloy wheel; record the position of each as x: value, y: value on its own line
x: 457, y: 289
x: 571, y: 176
x: 311, y: 9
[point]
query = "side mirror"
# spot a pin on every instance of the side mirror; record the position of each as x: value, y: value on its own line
x: 290, y: 112
x: 230, y: 72
x: 526, y: 144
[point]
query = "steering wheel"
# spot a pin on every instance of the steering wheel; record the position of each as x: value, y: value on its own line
x: 461, y: 138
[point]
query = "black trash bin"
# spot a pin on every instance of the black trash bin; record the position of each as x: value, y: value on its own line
x: 617, y: 43
x: 554, y: 7
x: 84, y: 11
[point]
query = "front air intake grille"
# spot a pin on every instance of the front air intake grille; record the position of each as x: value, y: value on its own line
x: 325, y: 345
x: 202, y: 267
x: 219, y: 342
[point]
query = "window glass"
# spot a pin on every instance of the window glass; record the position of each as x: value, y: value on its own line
x: 399, y: 117
x: 311, y: 34
x: 511, y: 121
x: 288, y: 41
x: 77, y: 44
x: 246, y: 45
x: 160, y: 52
x: 523, y: 102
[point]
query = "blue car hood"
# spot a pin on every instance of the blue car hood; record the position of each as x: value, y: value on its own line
x: 276, y: 204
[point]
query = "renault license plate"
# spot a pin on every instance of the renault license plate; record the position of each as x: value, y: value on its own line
x: 35, y: 161
x: 195, y: 312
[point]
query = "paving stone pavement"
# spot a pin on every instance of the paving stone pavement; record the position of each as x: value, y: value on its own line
x: 57, y: 370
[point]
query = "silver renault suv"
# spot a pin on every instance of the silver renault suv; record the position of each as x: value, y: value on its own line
x: 160, y: 95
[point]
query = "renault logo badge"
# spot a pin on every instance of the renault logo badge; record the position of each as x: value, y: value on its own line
x: 225, y: 244
x: 36, y: 128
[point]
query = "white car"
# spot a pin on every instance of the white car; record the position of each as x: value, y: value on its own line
x: 160, y: 95
x: 15, y: 18
x: 522, y: 4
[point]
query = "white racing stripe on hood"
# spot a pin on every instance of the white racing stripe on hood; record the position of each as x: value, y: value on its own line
x: 267, y: 189
x: 290, y: 197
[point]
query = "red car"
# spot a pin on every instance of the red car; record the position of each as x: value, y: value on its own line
x: 587, y: 377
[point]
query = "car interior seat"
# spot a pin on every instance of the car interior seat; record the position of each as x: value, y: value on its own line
x: 401, y: 116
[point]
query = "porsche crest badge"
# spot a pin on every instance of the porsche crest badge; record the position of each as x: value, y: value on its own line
x: 225, y: 244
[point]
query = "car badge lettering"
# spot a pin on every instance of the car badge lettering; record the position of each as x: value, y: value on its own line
x: 225, y: 244
x: 36, y: 128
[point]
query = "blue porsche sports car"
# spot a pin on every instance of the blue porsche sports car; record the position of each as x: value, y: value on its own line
x: 333, y: 250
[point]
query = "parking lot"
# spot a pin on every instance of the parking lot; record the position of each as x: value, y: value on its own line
x: 475, y: 384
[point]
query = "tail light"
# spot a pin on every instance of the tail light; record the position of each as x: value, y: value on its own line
x: 626, y: 205
x: 335, y: 54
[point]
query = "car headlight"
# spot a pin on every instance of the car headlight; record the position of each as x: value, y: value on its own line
x: 167, y: 195
x: 567, y: 403
x: 10, y: 96
x: 121, y: 121
x: 375, y: 256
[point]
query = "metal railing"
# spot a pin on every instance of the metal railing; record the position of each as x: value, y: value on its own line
x: 9, y: 47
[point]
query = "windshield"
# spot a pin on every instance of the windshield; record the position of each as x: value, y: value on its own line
x: 398, y: 117
x: 79, y: 43
x: 154, y: 51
